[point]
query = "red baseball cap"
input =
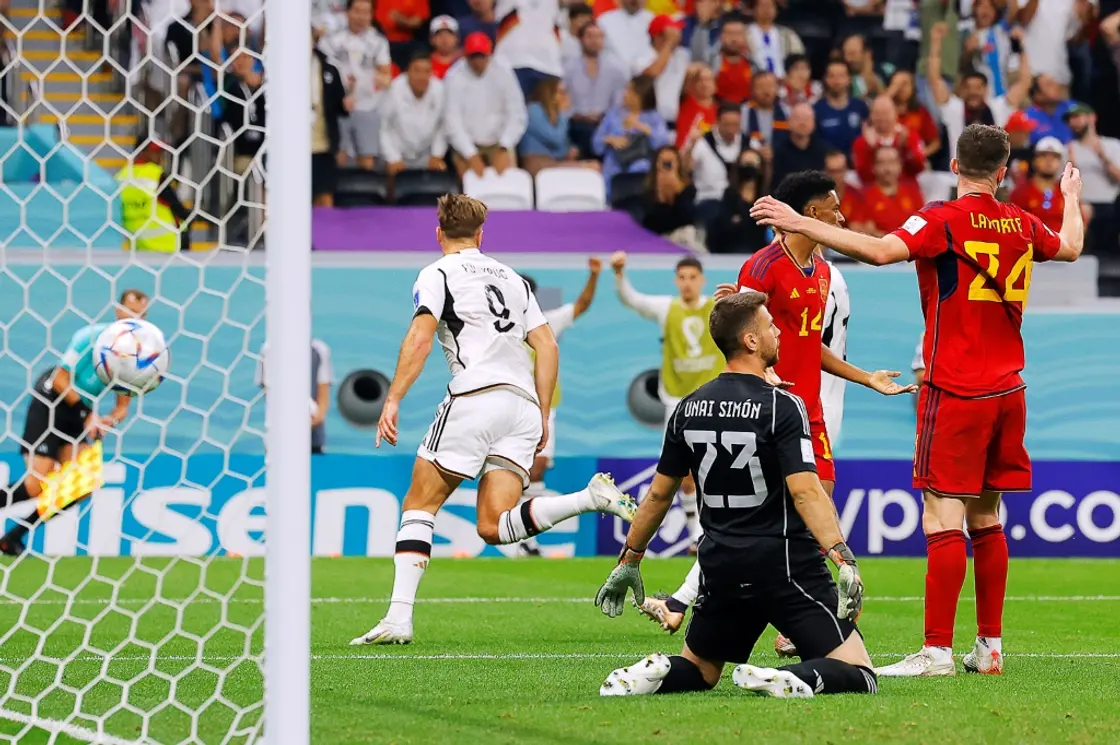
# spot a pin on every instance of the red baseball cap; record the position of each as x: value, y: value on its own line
x: 478, y: 43
x: 660, y: 23
x: 1020, y: 122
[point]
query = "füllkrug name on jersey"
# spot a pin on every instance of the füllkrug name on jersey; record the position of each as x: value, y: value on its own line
x: 721, y: 409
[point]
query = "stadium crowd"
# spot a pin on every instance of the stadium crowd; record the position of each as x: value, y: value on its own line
x: 691, y: 110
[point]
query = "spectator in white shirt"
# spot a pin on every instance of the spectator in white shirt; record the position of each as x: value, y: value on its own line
x: 485, y: 114
x: 666, y: 61
x: 713, y: 156
x: 1098, y: 158
x: 627, y: 31
x: 974, y: 105
x: 1049, y: 25
x: 362, y: 56
x: 579, y: 17
x: 527, y: 40
x: 770, y: 43
x: 987, y: 48
x: 412, y: 129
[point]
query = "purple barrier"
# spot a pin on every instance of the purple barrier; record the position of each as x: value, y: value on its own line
x: 414, y: 228
x: 1074, y: 510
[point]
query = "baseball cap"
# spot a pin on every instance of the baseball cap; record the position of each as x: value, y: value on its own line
x: 1077, y: 109
x: 1020, y: 122
x: 1050, y: 145
x: 660, y: 23
x: 443, y: 23
x: 478, y: 43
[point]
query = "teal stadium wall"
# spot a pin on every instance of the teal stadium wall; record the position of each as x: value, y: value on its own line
x: 214, y: 316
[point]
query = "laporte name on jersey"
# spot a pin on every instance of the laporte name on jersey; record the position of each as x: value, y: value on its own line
x: 721, y: 409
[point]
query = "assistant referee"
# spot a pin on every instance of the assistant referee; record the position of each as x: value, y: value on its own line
x: 765, y: 517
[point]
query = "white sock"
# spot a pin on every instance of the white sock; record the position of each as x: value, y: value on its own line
x: 691, y: 513
x: 994, y: 643
x: 687, y: 592
x: 414, y: 551
x: 538, y: 514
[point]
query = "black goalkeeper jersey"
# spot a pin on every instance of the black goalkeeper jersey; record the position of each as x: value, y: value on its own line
x: 740, y: 438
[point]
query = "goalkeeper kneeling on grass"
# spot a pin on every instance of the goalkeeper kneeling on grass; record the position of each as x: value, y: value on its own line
x: 765, y: 514
x: 61, y: 439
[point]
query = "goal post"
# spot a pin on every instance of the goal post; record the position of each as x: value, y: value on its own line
x: 173, y: 606
x: 288, y: 289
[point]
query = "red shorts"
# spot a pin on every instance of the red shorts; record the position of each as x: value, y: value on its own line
x: 822, y: 448
x: 969, y: 445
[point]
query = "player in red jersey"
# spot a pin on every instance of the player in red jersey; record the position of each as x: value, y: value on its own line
x: 791, y: 271
x: 974, y: 259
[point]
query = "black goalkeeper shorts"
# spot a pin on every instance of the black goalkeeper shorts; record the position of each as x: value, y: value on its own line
x: 736, y: 604
x: 51, y: 422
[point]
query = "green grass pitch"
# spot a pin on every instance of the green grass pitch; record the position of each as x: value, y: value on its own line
x: 523, y: 667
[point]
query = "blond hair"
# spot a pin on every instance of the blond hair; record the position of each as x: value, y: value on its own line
x: 460, y: 216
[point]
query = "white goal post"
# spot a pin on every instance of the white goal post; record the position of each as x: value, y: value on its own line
x: 156, y: 611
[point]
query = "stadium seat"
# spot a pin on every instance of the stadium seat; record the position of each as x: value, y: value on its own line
x: 361, y: 188
x: 628, y: 192
x: 421, y: 188
x: 511, y: 190
x: 571, y: 190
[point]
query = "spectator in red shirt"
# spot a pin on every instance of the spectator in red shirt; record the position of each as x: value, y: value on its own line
x: 851, y: 198
x: 698, y: 109
x: 733, y: 73
x: 884, y: 130
x: 912, y: 114
x: 444, y: 35
x: 889, y: 201
x: 1040, y: 195
x: 401, y: 19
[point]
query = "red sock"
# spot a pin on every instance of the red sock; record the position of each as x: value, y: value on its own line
x: 945, y: 568
x: 989, y: 554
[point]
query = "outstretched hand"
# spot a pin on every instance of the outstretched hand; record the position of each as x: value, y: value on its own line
x: 883, y: 382
x: 769, y: 211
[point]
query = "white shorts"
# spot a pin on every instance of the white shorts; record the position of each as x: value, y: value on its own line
x: 482, y: 432
x: 549, y: 450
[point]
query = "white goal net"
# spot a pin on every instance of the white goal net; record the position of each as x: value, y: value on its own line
x: 137, y: 615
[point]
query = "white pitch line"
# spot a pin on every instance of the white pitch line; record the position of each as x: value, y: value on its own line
x: 381, y: 657
x: 58, y: 727
x: 473, y: 600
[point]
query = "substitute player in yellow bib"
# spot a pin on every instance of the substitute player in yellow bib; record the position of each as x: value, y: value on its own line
x: 689, y: 357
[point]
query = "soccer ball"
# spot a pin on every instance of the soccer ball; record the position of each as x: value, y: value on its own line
x: 131, y: 356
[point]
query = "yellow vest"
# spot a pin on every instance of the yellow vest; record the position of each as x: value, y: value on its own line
x: 148, y: 224
x: 690, y: 357
x: 556, y: 391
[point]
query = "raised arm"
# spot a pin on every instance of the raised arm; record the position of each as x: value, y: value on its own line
x: 587, y: 294
x: 1020, y: 89
x: 652, y: 307
x: 865, y: 248
x: 1072, y: 234
x: 937, y: 84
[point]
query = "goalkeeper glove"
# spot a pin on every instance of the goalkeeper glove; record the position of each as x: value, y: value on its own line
x: 612, y: 595
x: 849, y: 583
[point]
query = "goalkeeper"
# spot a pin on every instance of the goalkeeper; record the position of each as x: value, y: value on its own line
x: 62, y: 423
x: 764, y: 515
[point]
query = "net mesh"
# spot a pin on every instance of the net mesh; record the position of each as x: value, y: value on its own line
x: 137, y: 616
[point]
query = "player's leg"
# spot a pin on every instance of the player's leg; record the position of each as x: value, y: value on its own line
x: 511, y: 450
x: 834, y: 657
x: 429, y: 489
x: 541, y: 465
x: 723, y: 629
x: 826, y: 471
x: 1008, y: 470
x: 950, y: 459
x: 990, y: 560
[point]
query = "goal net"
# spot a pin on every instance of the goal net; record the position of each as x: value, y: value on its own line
x: 137, y: 615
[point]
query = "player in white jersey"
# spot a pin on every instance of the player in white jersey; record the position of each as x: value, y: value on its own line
x: 835, y: 337
x: 559, y: 320
x: 490, y: 426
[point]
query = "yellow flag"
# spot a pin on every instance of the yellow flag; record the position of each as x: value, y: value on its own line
x: 76, y: 479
